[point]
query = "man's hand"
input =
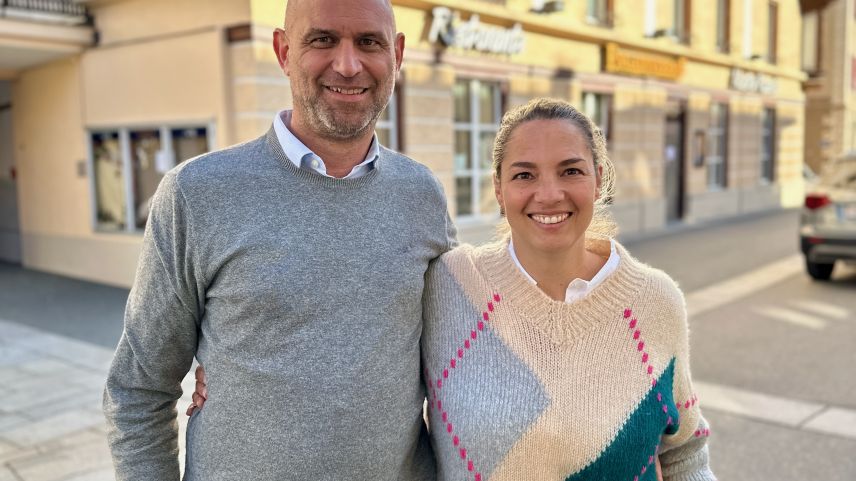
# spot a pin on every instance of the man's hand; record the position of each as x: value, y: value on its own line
x: 200, y: 395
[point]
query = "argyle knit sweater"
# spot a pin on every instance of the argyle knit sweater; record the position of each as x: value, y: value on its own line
x: 522, y: 387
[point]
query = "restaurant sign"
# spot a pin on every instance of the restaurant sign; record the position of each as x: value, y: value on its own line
x: 446, y: 28
x: 746, y: 81
x: 633, y: 62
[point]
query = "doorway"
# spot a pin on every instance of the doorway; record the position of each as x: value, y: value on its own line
x: 10, y: 235
x: 673, y: 158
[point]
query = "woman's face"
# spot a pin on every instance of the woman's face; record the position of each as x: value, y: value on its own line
x: 548, y: 186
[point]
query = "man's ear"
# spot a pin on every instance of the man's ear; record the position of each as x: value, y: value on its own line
x: 399, y: 50
x: 280, y: 47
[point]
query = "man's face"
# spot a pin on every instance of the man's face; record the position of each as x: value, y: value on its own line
x: 342, y: 57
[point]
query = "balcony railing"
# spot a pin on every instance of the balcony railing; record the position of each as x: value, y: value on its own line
x: 62, y: 10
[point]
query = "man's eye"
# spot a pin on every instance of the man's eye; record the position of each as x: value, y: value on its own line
x: 573, y: 171
x: 322, y: 40
x: 367, y: 42
x: 522, y: 176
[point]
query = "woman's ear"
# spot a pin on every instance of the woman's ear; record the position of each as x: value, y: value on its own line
x: 497, y: 191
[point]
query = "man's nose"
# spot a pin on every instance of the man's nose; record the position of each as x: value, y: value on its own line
x: 347, y: 62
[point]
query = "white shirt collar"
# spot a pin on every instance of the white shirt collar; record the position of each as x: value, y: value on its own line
x: 578, y: 288
x: 303, y: 158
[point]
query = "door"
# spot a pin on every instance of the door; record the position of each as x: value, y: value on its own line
x: 673, y: 158
x: 10, y: 236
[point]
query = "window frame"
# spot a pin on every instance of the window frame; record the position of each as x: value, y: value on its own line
x: 814, y: 69
x: 772, y: 32
x: 769, y: 143
x: 124, y: 136
x: 605, y: 127
x: 475, y: 128
x: 605, y: 19
x: 393, y: 125
x: 723, y: 26
x: 717, y: 133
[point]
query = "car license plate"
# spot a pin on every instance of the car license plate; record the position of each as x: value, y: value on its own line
x: 847, y: 212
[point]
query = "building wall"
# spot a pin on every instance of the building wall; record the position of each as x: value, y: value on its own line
x: 161, y: 63
x: 10, y: 239
x: 830, y: 108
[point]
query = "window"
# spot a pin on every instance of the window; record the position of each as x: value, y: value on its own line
x: 772, y: 32
x: 650, y: 18
x: 723, y: 18
x: 598, y: 107
x: 717, y: 147
x: 387, y: 125
x: 128, y: 165
x: 478, y: 110
x: 681, y: 21
x: 747, y: 29
x: 811, y: 41
x: 599, y: 12
x: 768, y: 144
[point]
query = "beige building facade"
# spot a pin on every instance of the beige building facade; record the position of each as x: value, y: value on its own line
x: 829, y: 58
x: 702, y: 104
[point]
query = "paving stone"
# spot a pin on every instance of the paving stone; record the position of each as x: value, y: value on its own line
x: 41, y: 396
x: 7, y: 475
x: 10, y: 374
x: 100, y: 475
x: 60, y: 465
x: 52, y: 427
x: 11, y: 420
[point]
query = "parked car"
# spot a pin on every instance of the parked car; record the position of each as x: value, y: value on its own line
x: 828, y: 220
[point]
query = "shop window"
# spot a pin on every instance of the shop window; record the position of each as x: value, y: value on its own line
x: 478, y: 110
x: 811, y: 41
x: 723, y: 19
x: 128, y: 165
x: 772, y: 32
x: 387, y: 125
x: 599, y: 12
x: 598, y: 107
x: 718, y: 147
x: 768, y: 145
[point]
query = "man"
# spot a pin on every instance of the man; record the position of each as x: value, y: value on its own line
x: 292, y: 267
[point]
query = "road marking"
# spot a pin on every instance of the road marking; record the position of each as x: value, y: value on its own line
x: 717, y: 295
x: 793, y: 317
x: 826, y: 310
x: 806, y: 416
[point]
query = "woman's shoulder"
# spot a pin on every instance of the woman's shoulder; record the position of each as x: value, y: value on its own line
x: 659, y: 285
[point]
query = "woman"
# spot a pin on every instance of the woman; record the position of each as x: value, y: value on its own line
x: 552, y: 354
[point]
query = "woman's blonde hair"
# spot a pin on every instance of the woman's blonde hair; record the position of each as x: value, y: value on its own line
x: 602, y: 225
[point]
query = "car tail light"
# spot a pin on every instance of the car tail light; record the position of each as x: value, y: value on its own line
x: 816, y: 201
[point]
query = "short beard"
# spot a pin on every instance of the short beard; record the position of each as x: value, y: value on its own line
x: 323, y: 120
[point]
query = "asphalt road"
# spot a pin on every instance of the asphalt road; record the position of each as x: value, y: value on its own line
x: 777, y: 358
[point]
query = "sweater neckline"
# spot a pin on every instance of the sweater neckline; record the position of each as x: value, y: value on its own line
x: 559, y: 321
x: 315, y: 178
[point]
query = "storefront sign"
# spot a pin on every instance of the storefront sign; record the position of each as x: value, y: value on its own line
x: 746, y: 81
x: 472, y: 35
x: 631, y: 62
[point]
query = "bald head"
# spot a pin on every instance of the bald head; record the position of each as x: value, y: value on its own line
x: 295, y: 8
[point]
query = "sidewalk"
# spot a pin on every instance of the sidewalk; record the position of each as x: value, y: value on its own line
x: 51, y: 426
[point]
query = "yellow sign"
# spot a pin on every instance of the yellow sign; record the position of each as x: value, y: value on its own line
x: 620, y: 60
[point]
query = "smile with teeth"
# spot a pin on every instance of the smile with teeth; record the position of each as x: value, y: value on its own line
x: 345, y: 91
x: 550, y: 219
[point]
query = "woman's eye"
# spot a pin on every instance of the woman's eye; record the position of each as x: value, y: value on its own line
x: 573, y: 171
x: 522, y: 175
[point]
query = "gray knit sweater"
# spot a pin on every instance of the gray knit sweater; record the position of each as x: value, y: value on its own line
x: 301, y: 295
